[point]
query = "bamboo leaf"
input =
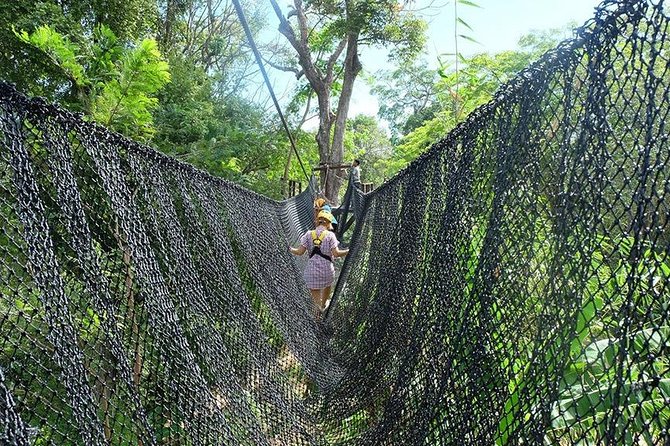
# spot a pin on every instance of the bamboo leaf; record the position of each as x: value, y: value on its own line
x: 469, y: 3
x: 466, y: 37
x: 464, y: 23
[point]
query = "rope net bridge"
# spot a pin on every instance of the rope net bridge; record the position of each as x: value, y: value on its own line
x: 509, y: 287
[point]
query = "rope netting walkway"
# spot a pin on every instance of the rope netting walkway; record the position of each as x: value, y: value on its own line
x: 511, y: 286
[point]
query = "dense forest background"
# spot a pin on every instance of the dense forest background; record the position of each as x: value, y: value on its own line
x: 180, y: 76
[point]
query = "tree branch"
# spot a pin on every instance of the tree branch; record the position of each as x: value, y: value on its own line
x: 302, y: 21
x: 309, y: 103
x: 298, y: 73
x: 312, y: 73
x: 332, y: 60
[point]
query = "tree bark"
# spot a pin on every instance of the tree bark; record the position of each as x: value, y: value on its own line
x: 352, y: 66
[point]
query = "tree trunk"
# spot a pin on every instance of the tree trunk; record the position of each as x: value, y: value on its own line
x: 352, y: 66
x: 170, y: 13
x: 325, y: 126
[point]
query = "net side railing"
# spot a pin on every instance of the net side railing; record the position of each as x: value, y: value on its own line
x: 138, y: 303
x: 512, y: 285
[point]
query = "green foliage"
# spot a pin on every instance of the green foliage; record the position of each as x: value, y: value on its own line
x: 607, y: 369
x: 185, y: 114
x: 208, y: 35
x: 128, y: 19
x: 367, y: 141
x: 457, y: 93
x: 61, y: 51
x: 76, y: 20
x: 407, y: 97
x: 326, y: 38
x: 418, y: 141
x: 539, y: 42
x: 379, y: 23
x: 96, y: 58
x: 474, y: 84
x: 124, y: 103
x: 407, y: 35
x: 24, y: 64
x: 590, y: 383
x: 229, y: 137
x: 115, y: 83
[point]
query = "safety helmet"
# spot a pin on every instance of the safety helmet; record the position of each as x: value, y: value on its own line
x: 327, y: 208
x: 326, y: 216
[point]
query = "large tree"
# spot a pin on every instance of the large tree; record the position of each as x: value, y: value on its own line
x: 207, y: 35
x: 327, y: 37
x: 407, y: 97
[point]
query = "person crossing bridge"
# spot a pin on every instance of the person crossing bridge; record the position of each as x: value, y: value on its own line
x: 323, y: 247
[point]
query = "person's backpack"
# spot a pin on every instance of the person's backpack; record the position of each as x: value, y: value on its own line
x: 316, y: 241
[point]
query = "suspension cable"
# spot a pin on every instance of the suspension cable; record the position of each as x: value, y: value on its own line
x: 252, y: 44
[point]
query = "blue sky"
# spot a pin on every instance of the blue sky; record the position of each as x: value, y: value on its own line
x: 497, y: 25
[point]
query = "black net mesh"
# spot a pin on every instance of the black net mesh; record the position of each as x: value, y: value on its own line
x: 509, y: 287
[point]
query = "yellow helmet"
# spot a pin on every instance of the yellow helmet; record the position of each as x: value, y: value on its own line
x: 325, y: 215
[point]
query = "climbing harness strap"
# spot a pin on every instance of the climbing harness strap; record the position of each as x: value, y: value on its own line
x: 316, y: 241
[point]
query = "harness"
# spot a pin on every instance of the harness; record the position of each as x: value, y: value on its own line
x: 316, y: 241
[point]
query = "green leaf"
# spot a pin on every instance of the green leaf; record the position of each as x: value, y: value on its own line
x: 466, y: 37
x: 60, y: 50
x: 464, y: 23
x: 468, y: 3
x: 126, y: 100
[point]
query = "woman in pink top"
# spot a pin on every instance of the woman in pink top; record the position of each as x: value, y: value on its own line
x: 322, y: 246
